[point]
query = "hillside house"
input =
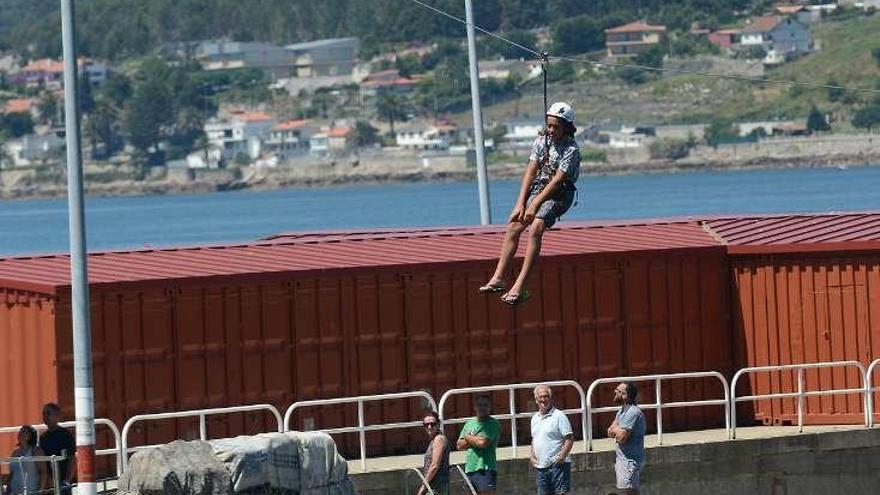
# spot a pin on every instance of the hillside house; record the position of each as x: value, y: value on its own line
x: 632, y: 39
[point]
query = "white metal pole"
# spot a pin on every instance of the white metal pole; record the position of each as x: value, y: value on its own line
x: 362, y: 435
x: 83, y: 391
x: 658, y: 392
x: 477, y: 109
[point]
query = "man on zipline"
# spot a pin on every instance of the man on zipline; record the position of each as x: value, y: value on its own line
x: 546, y: 193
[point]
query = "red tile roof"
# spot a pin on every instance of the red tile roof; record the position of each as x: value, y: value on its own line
x: 339, y: 132
x: 251, y: 116
x: 290, y: 125
x: 762, y: 24
x: 19, y: 105
x: 637, y: 27
x: 319, y: 252
x: 789, y: 9
x: 45, y: 65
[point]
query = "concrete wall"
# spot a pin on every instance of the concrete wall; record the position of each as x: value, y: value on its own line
x: 782, y: 147
x: 838, y: 462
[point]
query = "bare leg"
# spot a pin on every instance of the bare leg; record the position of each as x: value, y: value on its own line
x: 508, y: 249
x: 533, y: 250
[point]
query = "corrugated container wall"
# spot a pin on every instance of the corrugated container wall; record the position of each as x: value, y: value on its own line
x: 371, y: 331
x: 28, y: 376
x: 803, y: 308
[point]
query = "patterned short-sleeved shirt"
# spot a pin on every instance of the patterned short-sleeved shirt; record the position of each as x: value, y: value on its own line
x: 565, y: 156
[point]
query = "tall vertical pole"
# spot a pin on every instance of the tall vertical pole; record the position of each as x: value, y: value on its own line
x: 482, y: 178
x: 83, y: 391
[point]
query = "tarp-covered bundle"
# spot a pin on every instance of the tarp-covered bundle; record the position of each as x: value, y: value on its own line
x: 288, y: 463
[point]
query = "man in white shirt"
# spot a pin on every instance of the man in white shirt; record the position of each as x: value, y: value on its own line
x: 552, y: 440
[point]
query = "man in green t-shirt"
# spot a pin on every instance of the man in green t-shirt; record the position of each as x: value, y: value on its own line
x: 480, y: 437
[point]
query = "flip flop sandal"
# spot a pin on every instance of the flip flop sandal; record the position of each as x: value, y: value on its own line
x: 491, y: 288
x: 517, y: 299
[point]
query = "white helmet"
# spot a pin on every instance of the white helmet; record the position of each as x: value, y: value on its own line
x: 562, y: 110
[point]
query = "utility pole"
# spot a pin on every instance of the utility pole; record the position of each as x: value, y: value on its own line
x: 476, y: 108
x: 83, y: 391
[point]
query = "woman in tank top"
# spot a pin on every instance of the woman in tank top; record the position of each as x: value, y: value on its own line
x: 27, y: 476
x: 436, y: 468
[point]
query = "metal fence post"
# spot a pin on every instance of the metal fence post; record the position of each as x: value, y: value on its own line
x: 511, y: 391
x: 55, y: 478
x: 657, y: 391
x: 869, y: 393
x: 203, y: 428
x: 362, y: 434
x: 800, y: 400
x: 588, y: 434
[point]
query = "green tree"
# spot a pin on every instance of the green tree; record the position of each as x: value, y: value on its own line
x: 876, y: 54
x: 489, y: 46
x: 652, y: 57
x: 816, y: 122
x: 720, y: 130
x: 632, y: 75
x: 670, y: 148
x: 15, y: 125
x: 835, y: 93
x: 86, y: 98
x: 408, y: 66
x: 559, y: 71
x: 365, y: 134
x: 579, y: 34
x: 106, y: 121
x: 867, y: 117
x: 148, y: 112
x: 391, y: 108
x: 49, y: 109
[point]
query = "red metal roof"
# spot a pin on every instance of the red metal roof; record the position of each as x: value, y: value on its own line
x: 332, y: 250
x: 344, y: 250
x: 800, y: 232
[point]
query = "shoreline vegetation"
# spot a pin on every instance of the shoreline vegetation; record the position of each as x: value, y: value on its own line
x: 283, y: 178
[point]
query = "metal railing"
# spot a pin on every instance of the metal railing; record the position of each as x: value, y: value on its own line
x: 801, y: 394
x: 72, y: 424
x: 53, y: 461
x: 658, y: 404
x: 467, y: 481
x: 121, y: 449
x: 422, y: 480
x: 362, y: 428
x: 870, y: 388
x: 202, y: 414
x: 513, y: 415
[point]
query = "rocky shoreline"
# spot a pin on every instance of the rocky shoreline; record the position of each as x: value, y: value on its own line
x: 271, y: 179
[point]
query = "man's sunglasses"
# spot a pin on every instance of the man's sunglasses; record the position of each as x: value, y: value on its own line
x: 429, y: 423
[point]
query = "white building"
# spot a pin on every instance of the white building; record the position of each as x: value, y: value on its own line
x: 627, y: 137
x: 522, y: 132
x: 241, y: 133
x: 786, y: 35
x: 290, y: 138
x: 319, y: 144
x: 426, y: 137
x: 34, y: 148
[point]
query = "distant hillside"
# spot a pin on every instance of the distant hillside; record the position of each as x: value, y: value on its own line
x: 21, y: 13
x: 117, y: 29
x: 844, y: 59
